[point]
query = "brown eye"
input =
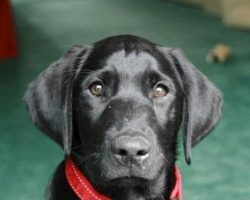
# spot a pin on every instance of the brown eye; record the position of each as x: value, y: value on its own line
x: 96, y: 89
x: 160, y: 91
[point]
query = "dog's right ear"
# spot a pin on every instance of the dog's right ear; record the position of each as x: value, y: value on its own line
x: 49, y: 97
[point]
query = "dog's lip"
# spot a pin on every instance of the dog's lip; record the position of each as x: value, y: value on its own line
x: 135, y: 176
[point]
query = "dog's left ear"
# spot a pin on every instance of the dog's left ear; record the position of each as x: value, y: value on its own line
x: 49, y: 97
x: 202, y: 103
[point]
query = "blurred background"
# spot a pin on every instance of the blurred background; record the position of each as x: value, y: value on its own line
x: 36, y: 32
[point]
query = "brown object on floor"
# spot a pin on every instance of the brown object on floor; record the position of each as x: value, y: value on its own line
x: 220, y: 53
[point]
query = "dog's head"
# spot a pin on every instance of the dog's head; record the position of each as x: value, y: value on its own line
x: 117, y: 107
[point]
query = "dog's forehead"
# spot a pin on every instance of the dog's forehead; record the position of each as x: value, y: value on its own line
x: 133, y: 63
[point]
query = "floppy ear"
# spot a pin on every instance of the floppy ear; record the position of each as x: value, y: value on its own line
x: 49, y: 97
x: 202, y: 101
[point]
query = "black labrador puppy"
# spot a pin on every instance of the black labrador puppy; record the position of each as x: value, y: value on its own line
x: 116, y: 108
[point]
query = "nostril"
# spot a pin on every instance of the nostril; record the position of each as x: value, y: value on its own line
x: 122, y: 152
x: 142, y: 153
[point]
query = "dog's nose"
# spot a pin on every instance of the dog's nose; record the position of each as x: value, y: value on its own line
x: 131, y: 149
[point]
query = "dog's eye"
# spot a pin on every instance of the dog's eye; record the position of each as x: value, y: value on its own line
x: 160, y: 91
x: 96, y: 89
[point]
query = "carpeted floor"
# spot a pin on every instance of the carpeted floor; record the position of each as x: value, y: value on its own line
x: 46, y: 29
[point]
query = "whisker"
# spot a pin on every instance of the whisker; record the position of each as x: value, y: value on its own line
x: 83, y: 159
x: 166, y: 160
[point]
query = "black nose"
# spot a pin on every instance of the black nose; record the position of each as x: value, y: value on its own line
x: 131, y: 149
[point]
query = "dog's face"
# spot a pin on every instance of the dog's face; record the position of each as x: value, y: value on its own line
x: 117, y: 107
x: 126, y: 113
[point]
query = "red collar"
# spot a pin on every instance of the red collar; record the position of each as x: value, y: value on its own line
x: 85, y: 191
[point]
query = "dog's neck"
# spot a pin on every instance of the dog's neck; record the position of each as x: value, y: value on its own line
x: 155, y: 190
x: 159, y: 189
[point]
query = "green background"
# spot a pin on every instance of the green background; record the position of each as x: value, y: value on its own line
x: 46, y: 29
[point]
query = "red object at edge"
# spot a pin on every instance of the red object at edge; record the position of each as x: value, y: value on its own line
x: 85, y: 191
x: 8, y: 41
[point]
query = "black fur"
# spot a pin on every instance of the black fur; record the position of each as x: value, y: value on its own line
x: 94, y: 130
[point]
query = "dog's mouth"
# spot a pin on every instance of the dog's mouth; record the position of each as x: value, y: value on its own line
x: 135, y: 179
